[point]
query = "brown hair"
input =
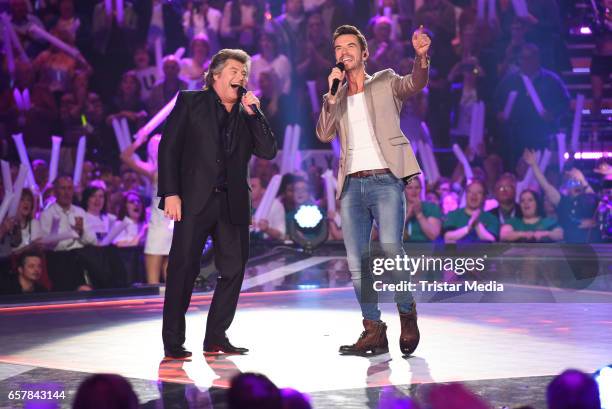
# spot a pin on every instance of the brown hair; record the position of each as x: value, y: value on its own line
x: 220, y: 59
x: 348, y: 29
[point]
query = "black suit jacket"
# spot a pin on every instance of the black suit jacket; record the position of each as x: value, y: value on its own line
x: 187, y: 155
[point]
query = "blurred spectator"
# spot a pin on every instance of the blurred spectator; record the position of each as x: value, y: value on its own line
x: 132, y: 213
x: 383, y: 51
x: 7, y: 239
x: 289, y: 29
x: 131, y: 239
x: 40, y: 169
x: 160, y: 20
x: 510, y: 62
x: 27, y: 231
x: 439, y: 17
x: 127, y: 103
x: 573, y: 389
x: 466, y: 90
x: 147, y: 74
x: 423, y: 219
x: 576, y: 209
x: 113, y: 44
x: 253, y: 391
x: 27, y: 279
x: 471, y: 223
x: 202, y: 19
x: 163, y: 92
x: 67, y: 20
x: 240, y: 25
x: 194, y: 67
x: 314, y: 55
x: 94, y: 203
x: 105, y: 391
x: 335, y: 13
x: 64, y: 218
x: 160, y: 229
x: 391, y: 10
x: 505, y: 194
x: 526, y: 128
x: 449, y: 202
x: 441, y: 187
x: 273, y: 226
x: 269, y: 58
x: 22, y: 19
x: 532, y: 225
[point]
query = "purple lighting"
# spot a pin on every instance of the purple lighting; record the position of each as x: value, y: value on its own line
x: 589, y: 155
x: 585, y: 30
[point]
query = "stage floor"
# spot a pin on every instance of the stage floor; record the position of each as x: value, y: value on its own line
x: 507, y: 352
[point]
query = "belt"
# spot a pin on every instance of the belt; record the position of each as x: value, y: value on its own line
x: 220, y: 189
x: 369, y: 172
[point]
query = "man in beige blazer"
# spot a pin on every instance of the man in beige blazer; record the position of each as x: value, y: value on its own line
x: 376, y: 162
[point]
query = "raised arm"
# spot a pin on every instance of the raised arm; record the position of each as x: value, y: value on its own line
x: 330, y: 113
x: 264, y: 143
x: 408, y: 85
x: 551, y: 192
x: 141, y: 167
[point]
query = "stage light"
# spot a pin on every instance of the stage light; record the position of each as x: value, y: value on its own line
x: 308, y: 216
x: 604, y: 381
x: 308, y: 228
x: 585, y: 30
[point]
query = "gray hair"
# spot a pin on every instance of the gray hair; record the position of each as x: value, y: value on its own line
x: 220, y: 59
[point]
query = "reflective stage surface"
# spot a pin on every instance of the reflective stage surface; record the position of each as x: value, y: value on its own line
x: 507, y: 352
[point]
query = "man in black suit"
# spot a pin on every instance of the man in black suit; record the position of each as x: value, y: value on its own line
x: 206, y: 146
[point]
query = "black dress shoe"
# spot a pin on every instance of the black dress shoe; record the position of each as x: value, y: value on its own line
x: 223, y: 347
x: 178, y: 353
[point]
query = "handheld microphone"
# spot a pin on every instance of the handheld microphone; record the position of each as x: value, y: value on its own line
x: 241, y: 91
x: 336, y: 83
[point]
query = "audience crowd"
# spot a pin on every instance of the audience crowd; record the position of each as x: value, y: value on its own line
x: 105, y: 231
x: 572, y: 389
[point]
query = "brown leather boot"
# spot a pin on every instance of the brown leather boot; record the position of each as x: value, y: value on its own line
x: 410, y: 335
x: 373, y: 340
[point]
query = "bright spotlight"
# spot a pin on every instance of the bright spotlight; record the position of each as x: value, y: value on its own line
x: 308, y: 228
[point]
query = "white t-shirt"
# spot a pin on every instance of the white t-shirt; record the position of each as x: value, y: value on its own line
x: 130, y: 232
x: 363, y: 150
x: 30, y: 233
x: 66, y: 219
x: 100, y: 225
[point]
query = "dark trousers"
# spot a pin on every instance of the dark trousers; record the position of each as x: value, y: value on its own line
x: 230, y: 247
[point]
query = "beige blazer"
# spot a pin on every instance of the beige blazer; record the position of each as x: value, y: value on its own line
x: 385, y: 92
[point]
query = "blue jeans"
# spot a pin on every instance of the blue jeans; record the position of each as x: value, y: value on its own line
x: 377, y: 198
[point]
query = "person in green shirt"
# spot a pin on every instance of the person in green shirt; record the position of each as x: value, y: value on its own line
x: 533, y: 226
x: 423, y: 219
x: 471, y: 223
